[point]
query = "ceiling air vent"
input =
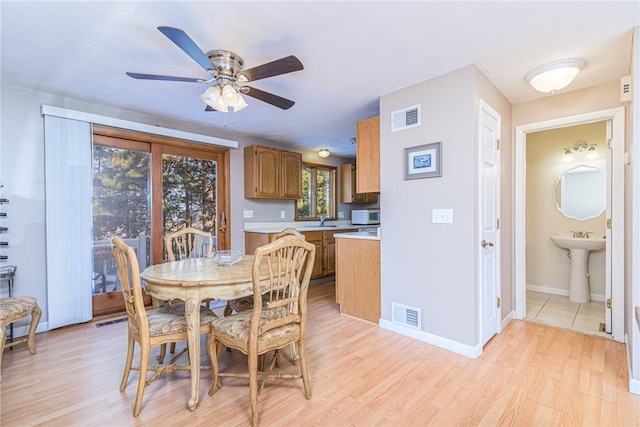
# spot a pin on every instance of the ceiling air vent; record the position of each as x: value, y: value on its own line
x: 405, y: 315
x: 406, y: 118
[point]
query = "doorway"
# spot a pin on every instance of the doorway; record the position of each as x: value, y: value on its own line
x: 614, y: 259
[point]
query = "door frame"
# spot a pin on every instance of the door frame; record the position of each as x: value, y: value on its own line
x: 616, y: 255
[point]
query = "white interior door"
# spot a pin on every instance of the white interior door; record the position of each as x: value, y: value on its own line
x: 489, y: 240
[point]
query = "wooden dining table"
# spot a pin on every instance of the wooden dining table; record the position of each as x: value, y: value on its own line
x: 192, y: 281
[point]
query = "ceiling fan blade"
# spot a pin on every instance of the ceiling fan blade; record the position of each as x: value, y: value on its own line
x: 267, y: 97
x: 210, y: 108
x: 170, y: 78
x: 184, y: 42
x: 284, y: 65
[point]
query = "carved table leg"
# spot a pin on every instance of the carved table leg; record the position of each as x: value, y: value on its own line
x: 192, y: 312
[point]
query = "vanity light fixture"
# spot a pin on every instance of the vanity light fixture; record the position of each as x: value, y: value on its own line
x: 554, y: 76
x: 324, y: 153
x: 580, y: 147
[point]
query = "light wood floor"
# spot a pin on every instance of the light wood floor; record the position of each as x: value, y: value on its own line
x: 529, y: 375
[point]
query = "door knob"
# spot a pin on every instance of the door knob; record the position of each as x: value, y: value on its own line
x: 485, y: 243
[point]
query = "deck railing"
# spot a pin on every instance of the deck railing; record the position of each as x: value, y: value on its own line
x: 105, y: 274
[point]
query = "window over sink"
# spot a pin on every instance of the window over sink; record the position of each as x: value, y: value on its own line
x: 318, y: 192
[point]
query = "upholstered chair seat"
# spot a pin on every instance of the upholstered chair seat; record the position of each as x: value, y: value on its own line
x: 12, y: 310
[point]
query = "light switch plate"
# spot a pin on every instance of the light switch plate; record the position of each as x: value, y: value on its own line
x: 247, y: 214
x: 442, y: 216
x: 282, y: 214
x: 340, y: 215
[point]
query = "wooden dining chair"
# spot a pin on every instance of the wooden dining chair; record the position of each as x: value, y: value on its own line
x: 246, y: 303
x: 188, y: 242
x: 149, y: 328
x: 278, y: 317
x: 12, y: 310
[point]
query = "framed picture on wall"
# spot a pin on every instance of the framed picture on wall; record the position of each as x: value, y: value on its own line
x: 423, y: 161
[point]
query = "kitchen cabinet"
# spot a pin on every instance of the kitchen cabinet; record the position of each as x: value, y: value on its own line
x: 270, y: 173
x: 368, y: 155
x: 317, y: 238
x: 324, y: 241
x: 348, y: 192
x: 358, y: 278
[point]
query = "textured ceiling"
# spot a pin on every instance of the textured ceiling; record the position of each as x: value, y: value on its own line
x: 353, y: 52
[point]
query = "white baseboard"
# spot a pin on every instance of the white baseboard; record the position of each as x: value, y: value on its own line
x: 465, y: 350
x: 634, y: 385
x: 507, y: 319
x: 558, y: 291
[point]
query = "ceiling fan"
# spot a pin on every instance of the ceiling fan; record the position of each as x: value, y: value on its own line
x: 227, y: 75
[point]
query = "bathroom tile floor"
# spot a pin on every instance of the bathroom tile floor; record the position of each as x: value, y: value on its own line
x: 557, y: 310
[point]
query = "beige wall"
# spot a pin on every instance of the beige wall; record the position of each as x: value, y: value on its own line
x: 425, y: 265
x: 547, y: 265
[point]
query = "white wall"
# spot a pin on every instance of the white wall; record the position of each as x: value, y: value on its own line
x: 424, y: 265
x: 22, y: 173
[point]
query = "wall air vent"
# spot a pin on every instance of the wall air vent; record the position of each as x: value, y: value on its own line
x: 406, y: 118
x: 405, y: 315
x: 625, y: 89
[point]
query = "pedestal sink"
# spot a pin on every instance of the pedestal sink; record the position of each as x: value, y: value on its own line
x: 579, y: 249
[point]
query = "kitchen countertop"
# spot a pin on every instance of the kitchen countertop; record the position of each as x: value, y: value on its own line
x: 274, y: 227
x: 364, y: 235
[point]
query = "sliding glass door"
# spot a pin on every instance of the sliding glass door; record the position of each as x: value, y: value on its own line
x: 143, y: 188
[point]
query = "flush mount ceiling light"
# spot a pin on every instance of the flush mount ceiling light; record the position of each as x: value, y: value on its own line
x: 323, y: 153
x: 551, y: 77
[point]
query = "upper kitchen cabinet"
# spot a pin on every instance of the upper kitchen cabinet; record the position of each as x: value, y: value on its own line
x: 368, y: 155
x: 348, y: 193
x: 270, y: 173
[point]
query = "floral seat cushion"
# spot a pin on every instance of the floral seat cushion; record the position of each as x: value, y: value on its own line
x: 170, y: 319
x: 237, y: 326
x: 15, y: 305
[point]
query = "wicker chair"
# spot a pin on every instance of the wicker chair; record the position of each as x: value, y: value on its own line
x: 13, y: 309
x: 152, y: 328
x: 246, y: 303
x: 278, y: 317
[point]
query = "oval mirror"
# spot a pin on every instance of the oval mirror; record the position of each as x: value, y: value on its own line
x: 581, y: 192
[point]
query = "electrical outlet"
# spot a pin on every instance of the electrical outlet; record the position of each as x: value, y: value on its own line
x: 442, y: 216
x: 282, y: 215
x: 247, y: 214
x: 340, y: 215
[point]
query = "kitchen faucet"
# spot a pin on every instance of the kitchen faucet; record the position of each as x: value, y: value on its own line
x: 323, y: 219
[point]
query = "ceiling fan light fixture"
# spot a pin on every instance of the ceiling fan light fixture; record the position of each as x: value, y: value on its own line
x: 554, y: 76
x: 214, y: 99
x: 324, y: 153
x: 230, y: 95
x: 240, y: 104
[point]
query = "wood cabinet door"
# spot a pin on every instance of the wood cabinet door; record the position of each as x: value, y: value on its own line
x: 368, y: 155
x: 316, y: 237
x: 291, y: 176
x: 267, y: 165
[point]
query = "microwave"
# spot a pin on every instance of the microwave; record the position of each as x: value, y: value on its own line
x: 365, y: 216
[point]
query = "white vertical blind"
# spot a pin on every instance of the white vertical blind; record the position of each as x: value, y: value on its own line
x: 68, y: 220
